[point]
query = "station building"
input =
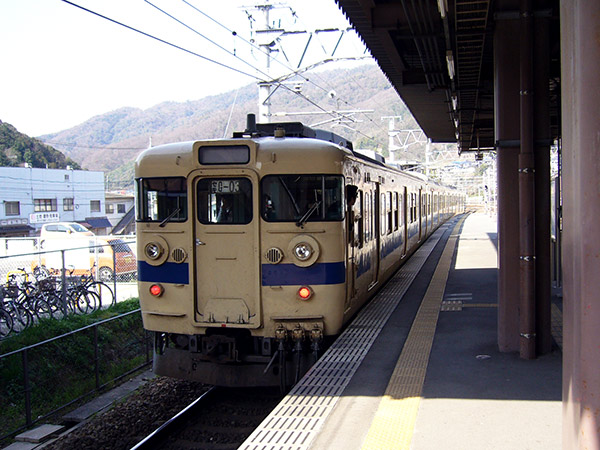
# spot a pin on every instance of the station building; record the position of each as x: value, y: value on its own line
x: 31, y: 197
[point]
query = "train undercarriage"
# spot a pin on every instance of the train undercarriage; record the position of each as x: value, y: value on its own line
x: 235, y: 358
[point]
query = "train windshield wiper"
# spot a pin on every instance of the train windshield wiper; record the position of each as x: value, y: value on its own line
x: 169, y: 217
x: 307, y: 214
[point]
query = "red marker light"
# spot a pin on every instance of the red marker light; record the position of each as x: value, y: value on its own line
x: 156, y: 290
x: 304, y: 293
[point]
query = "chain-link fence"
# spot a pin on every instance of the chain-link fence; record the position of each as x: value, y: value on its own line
x: 60, y: 276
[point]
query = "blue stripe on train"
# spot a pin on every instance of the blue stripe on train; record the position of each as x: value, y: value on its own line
x: 290, y: 274
x: 165, y: 273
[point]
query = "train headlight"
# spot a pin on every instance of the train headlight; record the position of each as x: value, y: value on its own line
x: 303, y: 251
x: 156, y: 251
x: 153, y: 250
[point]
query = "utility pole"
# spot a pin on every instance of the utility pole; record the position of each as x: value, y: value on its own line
x: 268, y: 36
x: 404, y: 139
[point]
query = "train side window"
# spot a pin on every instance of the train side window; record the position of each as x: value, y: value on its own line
x: 161, y: 199
x: 225, y: 200
x: 400, y: 207
x: 374, y: 201
x: 396, y: 211
x: 367, y: 216
x: 312, y: 198
x: 360, y: 223
x: 390, y: 213
x: 414, y: 207
x: 383, y: 215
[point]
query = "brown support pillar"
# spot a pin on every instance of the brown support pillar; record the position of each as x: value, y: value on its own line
x: 506, y: 113
x: 543, y: 267
x: 526, y: 188
x: 580, y: 60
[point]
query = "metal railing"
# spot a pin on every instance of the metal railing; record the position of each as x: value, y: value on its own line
x: 62, y: 262
x: 42, y: 379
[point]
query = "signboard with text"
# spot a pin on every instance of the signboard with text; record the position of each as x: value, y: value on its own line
x: 44, y: 217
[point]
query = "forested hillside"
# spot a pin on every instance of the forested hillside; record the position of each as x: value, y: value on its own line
x: 112, y: 141
x: 17, y: 148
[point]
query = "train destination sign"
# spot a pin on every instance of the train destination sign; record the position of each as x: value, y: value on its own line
x: 226, y: 186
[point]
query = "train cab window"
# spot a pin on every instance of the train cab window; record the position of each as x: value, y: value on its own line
x: 161, y: 199
x: 225, y: 201
x: 302, y: 198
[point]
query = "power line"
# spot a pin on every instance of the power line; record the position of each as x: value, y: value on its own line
x: 295, y: 72
x: 184, y: 49
x: 279, y: 84
x: 203, y: 36
x: 95, y: 147
x: 161, y: 40
x: 194, y: 53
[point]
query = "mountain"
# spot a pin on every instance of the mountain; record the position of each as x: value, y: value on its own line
x: 17, y: 148
x: 112, y: 141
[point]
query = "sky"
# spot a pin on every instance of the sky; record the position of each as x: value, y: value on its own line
x: 62, y: 65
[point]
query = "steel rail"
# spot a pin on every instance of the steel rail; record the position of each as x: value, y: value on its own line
x: 154, y: 439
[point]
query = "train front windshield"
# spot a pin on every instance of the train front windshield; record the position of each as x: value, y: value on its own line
x: 302, y: 198
x: 162, y: 199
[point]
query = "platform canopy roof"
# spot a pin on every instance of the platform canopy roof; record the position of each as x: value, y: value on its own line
x: 438, y: 55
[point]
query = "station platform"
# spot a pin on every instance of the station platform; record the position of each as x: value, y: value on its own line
x: 419, y: 367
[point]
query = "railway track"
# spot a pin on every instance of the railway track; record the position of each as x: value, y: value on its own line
x: 220, y: 419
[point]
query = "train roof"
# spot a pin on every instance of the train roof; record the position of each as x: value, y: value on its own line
x: 299, y: 130
x: 293, y: 130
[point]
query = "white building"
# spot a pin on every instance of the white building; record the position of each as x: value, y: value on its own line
x: 118, y: 206
x: 31, y: 197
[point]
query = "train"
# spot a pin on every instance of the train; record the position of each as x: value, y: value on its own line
x: 255, y: 251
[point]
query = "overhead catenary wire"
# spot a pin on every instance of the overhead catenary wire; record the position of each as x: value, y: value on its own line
x: 278, y: 83
x: 162, y: 40
x: 294, y: 72
x: 197, y: 54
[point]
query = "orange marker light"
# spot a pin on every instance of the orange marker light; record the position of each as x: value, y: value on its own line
x: 156, y: 290
x: 304, y: 293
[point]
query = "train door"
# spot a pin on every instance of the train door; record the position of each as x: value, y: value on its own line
x: 429, y: 214
x: 425, y: 217
x: 420, y: 213
x: 226, y: 252
x: 375, y: 244
x: 354, y: 212
x: 404, y: 219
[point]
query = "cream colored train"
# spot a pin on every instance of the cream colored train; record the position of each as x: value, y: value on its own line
x: 255, y: 251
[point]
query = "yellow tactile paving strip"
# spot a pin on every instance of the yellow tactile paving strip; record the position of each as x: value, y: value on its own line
x: 394, y: 422
x: 301, y: 415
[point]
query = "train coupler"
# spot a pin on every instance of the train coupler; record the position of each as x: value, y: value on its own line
x: 298, y: 335
x: 281, y: 334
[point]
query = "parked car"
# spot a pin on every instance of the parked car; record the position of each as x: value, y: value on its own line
x: 62, y: 229
x: 109, y: 256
